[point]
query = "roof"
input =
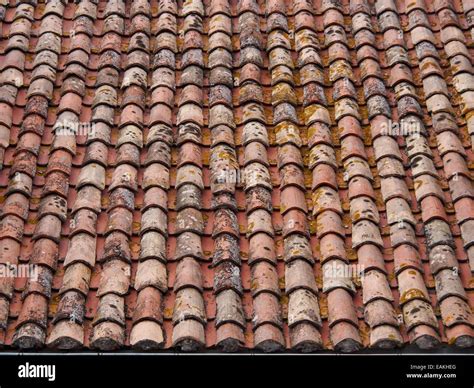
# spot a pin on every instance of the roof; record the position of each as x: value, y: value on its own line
x: 280, y: 175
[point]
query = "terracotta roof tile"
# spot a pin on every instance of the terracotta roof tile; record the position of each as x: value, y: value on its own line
x: 237, y: 174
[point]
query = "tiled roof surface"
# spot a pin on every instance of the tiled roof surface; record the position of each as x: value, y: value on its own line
x: 237, y: 178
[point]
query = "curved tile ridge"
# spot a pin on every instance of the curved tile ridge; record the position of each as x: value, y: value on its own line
x: 3, y: 10
x: 230, y: 320
x: 68, y: 322
x: 31, y: 324
x: 11, y: 74
x: 377, y: 297
x: 451, y: 296
x: 418, y: 314
x: 15, y: 208
x: 455, y: 46
x: 443, y: 116
x: 189, y: 315
x: 327, y: 209
x: 151, y: 280
x: 304, y: 320
x: 267, y: 321
x: 468, y: 8
x: 108, y: 326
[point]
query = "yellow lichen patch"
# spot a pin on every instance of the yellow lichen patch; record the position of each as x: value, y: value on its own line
x: 35, y: 200
x: 250, y: 227
x: 340, y: 68
x: 282, y: 92
x: 254, y: 284
x: 323, y: 304
x: 278, y: 242
x: 451, y: 340
x: 346, y: 221
x: 29, y: 58
x: 104, y: 202
x: 377, y: 181
x: 311, y: 74
x: 282, y: 74
x: 364, y: 331
x: 278, y: 39
x: 351, y: 254
x: 206, y: 137
x: 350, y: 42
x: 205, y: 156
x: 291, y: 23
x: 268, y: 112
x: 315, y: 112
x: 317, y: 195
x: 470, y: 115
x: 432, y: 142
x: 284, y: 306
x: 319, y: 226
x: 249, y: 337
x: 136, y: 227
x: 316, y: 131
x: 378, y: 200
x: 307, y: 178
x: 346, y: 106
x: 40, y: 171
x: 305, y: 38
x: 356, y: 215
x: 427, y: 65
x: 417, y: 183
x: 410, y: 294
x: 340, y: 181
x: 286, y: 132
x: 135, y: 247
x: 444, y: 184
x: 281, y: 282
x: 322, y: 153
x: 168, y: 312
x: 366, y: 133
x: 304, y: 153
x: 53, y: 304
x: 455, y: 99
